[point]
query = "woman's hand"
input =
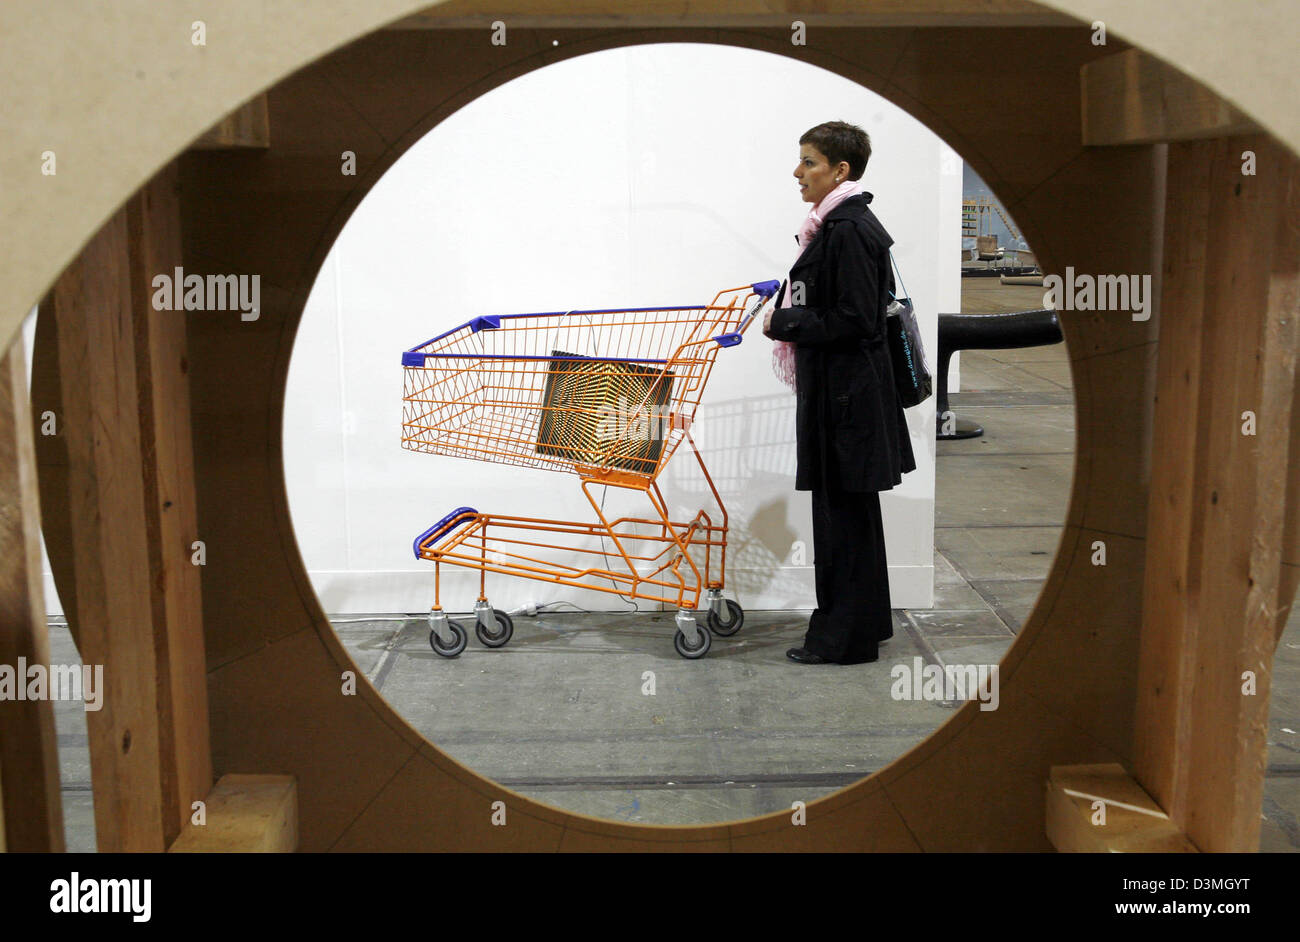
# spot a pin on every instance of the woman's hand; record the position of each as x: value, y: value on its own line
x: 767, y: 322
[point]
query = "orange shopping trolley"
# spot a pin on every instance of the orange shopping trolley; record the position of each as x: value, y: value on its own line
x: 608, y: 395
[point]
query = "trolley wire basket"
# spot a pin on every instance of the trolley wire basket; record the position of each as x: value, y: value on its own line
x: 608, y: 395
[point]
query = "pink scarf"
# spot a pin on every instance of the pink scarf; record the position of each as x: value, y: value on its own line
x: 783, y: 352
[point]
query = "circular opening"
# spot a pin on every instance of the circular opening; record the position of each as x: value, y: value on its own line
x: 643, y: 176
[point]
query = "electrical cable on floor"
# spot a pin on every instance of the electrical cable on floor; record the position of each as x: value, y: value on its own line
x: 576, y: 608
x: 349, y: 621
x: 605, y: 553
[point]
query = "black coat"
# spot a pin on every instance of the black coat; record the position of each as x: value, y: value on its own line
x: 849, y: 423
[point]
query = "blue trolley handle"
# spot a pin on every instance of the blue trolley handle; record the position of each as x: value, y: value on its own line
x: 765, y: 290
x: 438, y: 529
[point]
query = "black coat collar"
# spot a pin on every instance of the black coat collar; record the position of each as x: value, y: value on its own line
x: 849, y: 208
x: 852, y: 206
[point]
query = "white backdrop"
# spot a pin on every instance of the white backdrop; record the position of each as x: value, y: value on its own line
x: 633, y: 177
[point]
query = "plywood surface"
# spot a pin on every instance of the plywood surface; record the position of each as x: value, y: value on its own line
x: 244, y: 814
x: 1101, y: 809
x: 977, y: 784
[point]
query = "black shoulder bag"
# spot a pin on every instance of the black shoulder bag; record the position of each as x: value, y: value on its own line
x: 911, y: 374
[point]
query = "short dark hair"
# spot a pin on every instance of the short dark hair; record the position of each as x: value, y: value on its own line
x: 841, y: 141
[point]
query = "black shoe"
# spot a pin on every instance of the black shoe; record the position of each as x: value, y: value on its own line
x: 804, y: 656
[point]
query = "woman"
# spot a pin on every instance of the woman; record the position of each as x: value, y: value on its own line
x: 851, y: 433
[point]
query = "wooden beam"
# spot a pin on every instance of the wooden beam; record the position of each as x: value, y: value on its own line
x: 130, y: 500
x: 583, y: 14
x: 1290, y: 583
x: 1099, y: 809
x: 171, y: 512
x: 247, y: 127
x: 31, y: 810
x: 1134, y: 98
x: 91, y: 304
x: 1218, y: 496
x: 245, y: 814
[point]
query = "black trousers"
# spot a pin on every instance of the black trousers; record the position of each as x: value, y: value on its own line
x: 853, y: 612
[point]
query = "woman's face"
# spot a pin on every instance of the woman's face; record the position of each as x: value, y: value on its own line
x: 815, y: 174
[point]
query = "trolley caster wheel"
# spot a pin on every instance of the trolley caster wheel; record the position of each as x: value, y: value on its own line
x: 456, y: 646
x: 701, y: 648
x: 735, y: 618
x: 495, y: 639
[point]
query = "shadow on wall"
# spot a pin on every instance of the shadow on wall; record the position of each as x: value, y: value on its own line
x: 748, y: 445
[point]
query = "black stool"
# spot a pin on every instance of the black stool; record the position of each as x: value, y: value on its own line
x: 987, y: 332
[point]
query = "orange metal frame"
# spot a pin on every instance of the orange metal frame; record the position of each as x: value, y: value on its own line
x: 467, y: 543
x: 480, y: 395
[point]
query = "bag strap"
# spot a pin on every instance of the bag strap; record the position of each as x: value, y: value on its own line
x: 900, y: 277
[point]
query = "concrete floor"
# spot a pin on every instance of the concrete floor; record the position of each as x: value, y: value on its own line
x: 560, y: 715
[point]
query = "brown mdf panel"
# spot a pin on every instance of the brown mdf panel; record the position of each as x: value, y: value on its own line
x: 866, y: 56
x: 439, y: 72
x: 435, y: 804
x: 1113, y: 437
x: 442, y: 71
x: 861, y: 819
x: 442, y: 806
x: 984, y: 790
x: 1006, y: 99
x: 538, y: 14
x: 283, y: 710
x: 1228, y: 344
x: 238, y: 205
x: 232, y: 359
x: 1099, y: 214
x: 1134, y: 98
x: 365, y: 782
x: 1084, y: 666
x: 944, y: 86
x: 250, y: 596
x: 31, y: 810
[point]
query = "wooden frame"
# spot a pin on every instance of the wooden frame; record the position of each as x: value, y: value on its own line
x: 366, y: 780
